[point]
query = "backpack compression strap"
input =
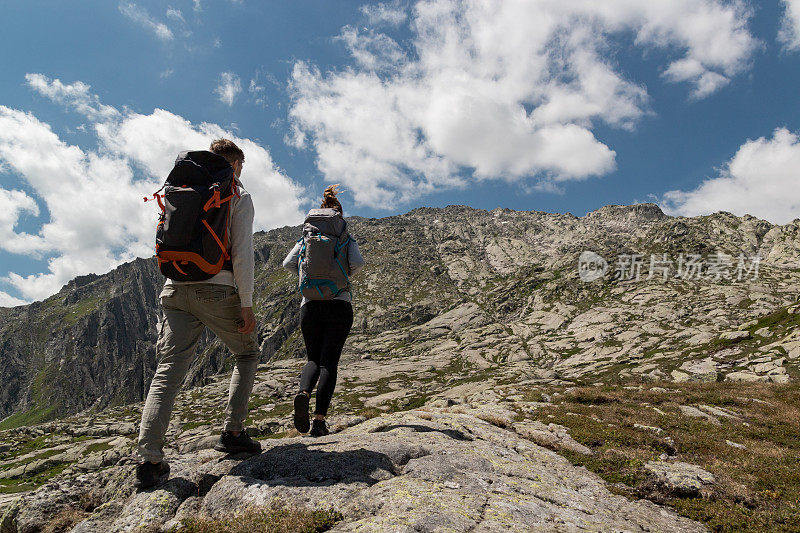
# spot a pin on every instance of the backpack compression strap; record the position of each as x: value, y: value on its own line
x: 317, y: 283
x: 336, y: 258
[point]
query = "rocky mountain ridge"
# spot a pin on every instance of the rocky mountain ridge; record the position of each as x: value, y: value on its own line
x: 482, y: 287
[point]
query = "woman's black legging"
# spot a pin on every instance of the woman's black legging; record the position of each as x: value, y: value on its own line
x: 325, y: 325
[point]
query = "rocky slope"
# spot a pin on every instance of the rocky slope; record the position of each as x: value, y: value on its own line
x: 421, y: 445
x: 466, y: 322
x: 474, y: 287
x: 467, y: 467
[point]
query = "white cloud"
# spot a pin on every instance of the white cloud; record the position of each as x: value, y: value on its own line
x: 372, y: 51
x: 500, y: 90
x: 16, y: 203
x: 760, y: 180
x: 789, y: 33
x: 175, y: 14
x: 141, y: 16
x: 393, y: 14
x: 6, y: 300
x: 152, y: 142
x: 80, y: 188
x: 229, y: 86
x: 75, y: 95
x: 254, y: 87
x: 257, y: 92
x: 73, y: 184
x: 198, y: 6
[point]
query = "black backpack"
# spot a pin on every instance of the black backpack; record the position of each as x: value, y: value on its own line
x: 192, y: 232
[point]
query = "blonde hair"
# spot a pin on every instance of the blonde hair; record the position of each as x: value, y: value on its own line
x: 329, y: 200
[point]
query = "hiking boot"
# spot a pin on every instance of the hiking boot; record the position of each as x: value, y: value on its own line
x: 319, y: 429
x: 301, y: 418
x: 149, y: 474
x: 242, y: 444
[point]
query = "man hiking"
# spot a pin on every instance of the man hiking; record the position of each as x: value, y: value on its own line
x: 221, y: 301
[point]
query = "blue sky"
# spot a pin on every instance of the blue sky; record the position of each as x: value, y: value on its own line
x: 692, y: 104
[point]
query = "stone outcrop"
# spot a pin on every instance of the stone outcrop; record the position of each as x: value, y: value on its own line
x: 433, y: 470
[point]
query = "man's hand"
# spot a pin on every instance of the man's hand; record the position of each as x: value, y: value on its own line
x: 248, y: 325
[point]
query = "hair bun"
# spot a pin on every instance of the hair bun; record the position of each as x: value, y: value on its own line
x: 331, y: 191
x: 329, y: 198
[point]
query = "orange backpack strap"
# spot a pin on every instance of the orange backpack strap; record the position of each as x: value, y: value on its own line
x: 216, y: 238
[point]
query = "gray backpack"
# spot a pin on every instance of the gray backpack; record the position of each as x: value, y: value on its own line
x: 323, y: 266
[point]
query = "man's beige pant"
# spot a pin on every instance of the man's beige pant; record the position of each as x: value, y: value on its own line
x: 187, y: 310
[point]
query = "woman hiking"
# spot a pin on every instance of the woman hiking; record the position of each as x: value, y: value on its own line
x: 325, y: 259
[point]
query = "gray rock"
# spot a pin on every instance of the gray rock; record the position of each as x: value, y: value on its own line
x: 735, y: 335
x: 678, y: 478
x: 779, y: 378
x: 735, y: 445
x: 550, y: 435
x: 700, y: 370
x: 763, y: 332
x: 653, y: 429
x: 768, y: 366
x: 719, y: 412
x: 694, y: 412
x: 745, y: 377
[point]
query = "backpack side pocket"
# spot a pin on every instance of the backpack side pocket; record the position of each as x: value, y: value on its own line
x: 181, y: 209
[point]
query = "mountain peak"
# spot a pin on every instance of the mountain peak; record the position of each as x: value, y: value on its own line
x: 647, y: 211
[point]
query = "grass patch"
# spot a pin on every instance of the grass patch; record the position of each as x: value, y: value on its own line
x: 97, y: 447
x: 756, y: 488
x: 25, y: 483
x: 12, y: 486
x: 192, y: 425
x: 277, y: 518
x: 43, y: 455
x: 34, y: 416
x: 37, y: 443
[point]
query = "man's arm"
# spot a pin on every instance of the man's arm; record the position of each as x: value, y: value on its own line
x: 243, y: 258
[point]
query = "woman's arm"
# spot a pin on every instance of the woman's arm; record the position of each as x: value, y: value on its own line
x: 354, y: 257
x: 290, y: 263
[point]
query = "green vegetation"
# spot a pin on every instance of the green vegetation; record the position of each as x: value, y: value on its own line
x: 193, y: 425
x: 757, y: 487
x: 34, y: 416
x: 277, y: 518
x: 37, y: 443
x: 25, y: 483
x: 81, y: 309
x: 43, y: 408
x: 44, y: 455
x: 97, y: 447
